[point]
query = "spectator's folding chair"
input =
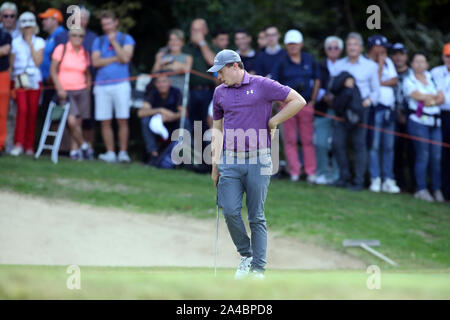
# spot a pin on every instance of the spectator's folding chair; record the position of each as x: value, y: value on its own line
x: 59, y: 114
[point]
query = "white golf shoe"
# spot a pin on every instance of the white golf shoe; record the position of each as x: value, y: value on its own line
x: 257, y: 275
x: 244, y: 268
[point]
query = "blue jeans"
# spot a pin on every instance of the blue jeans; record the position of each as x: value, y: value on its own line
x: 426, y: 154
x: 149, y: 137
x: 235, y: 179
x: 382, y: 120
x: 323, y: 130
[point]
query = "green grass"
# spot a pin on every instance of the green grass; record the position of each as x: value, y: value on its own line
x: 39, y: 282
x: 413, y: 233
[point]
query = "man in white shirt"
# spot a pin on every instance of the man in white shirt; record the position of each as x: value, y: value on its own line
x: 365, y: 72
x: 382, y: 117
x: 441, y: 76
x: 8, y: 18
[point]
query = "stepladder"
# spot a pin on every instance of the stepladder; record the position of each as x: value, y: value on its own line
x: 55, y: 114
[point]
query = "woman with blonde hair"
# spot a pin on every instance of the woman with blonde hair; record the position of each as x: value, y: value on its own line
x: 170, y: 58
x: 70, y: 73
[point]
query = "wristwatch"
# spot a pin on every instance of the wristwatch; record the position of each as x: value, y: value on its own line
x: 202, y: 43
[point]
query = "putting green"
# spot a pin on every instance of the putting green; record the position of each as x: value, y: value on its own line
x: 43, y: 282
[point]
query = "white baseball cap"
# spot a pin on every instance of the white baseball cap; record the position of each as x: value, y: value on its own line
x: 27, y: 19
x: 293, y: 36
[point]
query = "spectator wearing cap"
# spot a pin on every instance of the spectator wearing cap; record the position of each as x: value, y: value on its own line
x: 441, y: 76
x: 327, y: 168
x: 404, y: 149
x: 51, y: 23
x: 220, y: 39
x: 112, y: 54
x: 26, y: 57
x: 382, y: 117
x: 171, y: 58
x: 271, y: 54
x: 8, y: 18
x: 201, y: 88
x: 243, y: 41
x: 424, y: 99
x: 299, y: 70
x: 365, y: 72
x: 72, y: 78
x: 5, y: 49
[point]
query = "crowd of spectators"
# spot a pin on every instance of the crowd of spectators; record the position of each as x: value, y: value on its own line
x: 361, y: 91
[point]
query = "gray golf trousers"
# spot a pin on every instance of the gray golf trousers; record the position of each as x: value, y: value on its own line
x: 252, y: 176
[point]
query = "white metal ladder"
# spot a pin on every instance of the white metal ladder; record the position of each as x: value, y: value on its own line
x: 46, y: 132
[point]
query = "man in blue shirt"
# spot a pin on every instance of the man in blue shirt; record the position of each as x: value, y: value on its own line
x: 111, y: 54
x: 299, y: 70
x: 51, y: 22
x: 164, y: 102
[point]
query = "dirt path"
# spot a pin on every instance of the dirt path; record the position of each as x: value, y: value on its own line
x: 40, y: 231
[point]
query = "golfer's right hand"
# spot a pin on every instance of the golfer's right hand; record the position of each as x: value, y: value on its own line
x: 215, y: 174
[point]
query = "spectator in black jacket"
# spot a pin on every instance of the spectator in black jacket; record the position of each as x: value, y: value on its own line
x: 347, y: 104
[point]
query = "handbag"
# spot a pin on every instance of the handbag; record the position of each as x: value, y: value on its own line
x: 26, y: 80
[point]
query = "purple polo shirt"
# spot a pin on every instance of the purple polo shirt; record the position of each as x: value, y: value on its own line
x: 247, y: 108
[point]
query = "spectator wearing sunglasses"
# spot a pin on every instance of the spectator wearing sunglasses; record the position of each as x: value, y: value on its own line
x: 70, y: 74
x: 8, y: 18
x: 327, y: 169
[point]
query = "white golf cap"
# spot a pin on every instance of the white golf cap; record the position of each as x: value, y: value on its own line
x: 293, y: 36
x: 27, y: 19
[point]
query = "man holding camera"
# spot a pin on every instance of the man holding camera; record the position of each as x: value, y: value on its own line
x: 299, y: 71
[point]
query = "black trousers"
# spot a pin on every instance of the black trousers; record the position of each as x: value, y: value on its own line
x: 445, y: 118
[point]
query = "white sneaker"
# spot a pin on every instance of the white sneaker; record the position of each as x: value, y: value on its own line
x: 375, y: 185
x: 109, y: 156
x: 243, y: 268
x: 16, y: 151
x: 157, y: 126
x: 322, y: 179
x: 294, y: 177
x: 124, y: 157
x: 423, y: 195
x: 390, y: 186
x: 438, y: 196
x: 311, y: 178
x: 257, y: 275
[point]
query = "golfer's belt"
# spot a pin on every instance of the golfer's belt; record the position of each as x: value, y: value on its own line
x: 247, y: 154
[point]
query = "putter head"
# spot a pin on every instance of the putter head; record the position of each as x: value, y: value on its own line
x: 358, y: 242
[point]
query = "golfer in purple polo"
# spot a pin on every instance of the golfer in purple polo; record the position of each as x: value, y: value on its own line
x: 243, y: 128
